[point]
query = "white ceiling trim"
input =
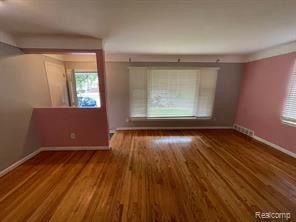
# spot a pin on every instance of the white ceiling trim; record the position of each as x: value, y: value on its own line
x: 78, y: 42
x: 164, y: 27
x: 113, y: 57
x: 267, y: 53
x: 274, y: 51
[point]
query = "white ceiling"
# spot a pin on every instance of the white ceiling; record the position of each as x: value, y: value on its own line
x: 159, y: 26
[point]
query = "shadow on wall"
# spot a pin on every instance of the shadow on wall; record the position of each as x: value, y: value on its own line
x: 31, y: 140
x: 19, y: 136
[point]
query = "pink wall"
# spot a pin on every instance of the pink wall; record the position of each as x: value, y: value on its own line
x: 89, y: 124
x: 56, y: 124
x: 262, y: 96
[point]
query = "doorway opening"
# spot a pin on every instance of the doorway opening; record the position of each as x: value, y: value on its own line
x: 73, y: 79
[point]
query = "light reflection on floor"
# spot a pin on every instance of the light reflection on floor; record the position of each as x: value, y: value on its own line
x: 173, y: 139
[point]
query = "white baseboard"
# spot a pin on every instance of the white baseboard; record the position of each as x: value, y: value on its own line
x: 272, y: 145
x: 19, y: 162
x: 64, y: 148
x: 77, y: 148
x: 173, y: 128
x: 112, y: 131
x: 288, y: 152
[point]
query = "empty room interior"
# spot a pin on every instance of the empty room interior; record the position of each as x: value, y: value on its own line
x: 140, y: 110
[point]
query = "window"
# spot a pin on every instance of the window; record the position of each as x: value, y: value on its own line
x: 172, y: 93
x: 87, y: 89
x: 289, y: 113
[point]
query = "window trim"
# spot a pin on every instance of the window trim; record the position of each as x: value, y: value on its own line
x: 287, y: 120
x: 211, y: 117
x: 73, y: 85
x: 177, y: 67
x: 135, y: 119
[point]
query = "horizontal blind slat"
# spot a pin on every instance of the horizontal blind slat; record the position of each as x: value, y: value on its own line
x: 172, y: 92
x: 289, y: 113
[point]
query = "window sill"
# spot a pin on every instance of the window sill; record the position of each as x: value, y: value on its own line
x: 64, y: 107
x: 167, y: 118
x: 289, y: 123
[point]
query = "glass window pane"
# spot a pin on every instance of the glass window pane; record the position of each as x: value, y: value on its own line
x: 172, y: 93
x: 87, y: 89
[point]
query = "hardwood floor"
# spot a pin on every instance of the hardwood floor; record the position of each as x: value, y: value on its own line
x: 208, y: 175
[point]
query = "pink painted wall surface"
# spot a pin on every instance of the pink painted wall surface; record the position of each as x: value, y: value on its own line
x: 263, y: 92
x: 89, y: 124
x: 56, y: 124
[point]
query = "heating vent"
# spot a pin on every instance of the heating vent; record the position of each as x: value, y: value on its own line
x: 244, y: 130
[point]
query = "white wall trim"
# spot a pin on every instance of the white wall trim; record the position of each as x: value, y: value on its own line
x: 173, y: 128
x: 236, y: 58
x: 112, y: 131
x: 275, y: 146
x: 63, y: 148
x: 69, y: 148
x: 273, y: 51
x: 19, y: 162
x: 238, y: 128
x: 77, y: 148
x: 85, y: 42
x: 115, y: 57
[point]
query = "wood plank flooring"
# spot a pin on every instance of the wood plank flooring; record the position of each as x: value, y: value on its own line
x: 205, y: 175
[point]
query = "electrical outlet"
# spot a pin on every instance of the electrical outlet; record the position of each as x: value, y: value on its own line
x: 73, y: 136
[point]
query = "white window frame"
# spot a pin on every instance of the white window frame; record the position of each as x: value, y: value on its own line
x: 292, y: 87
x: 181, y: 117
x: 73, y: 91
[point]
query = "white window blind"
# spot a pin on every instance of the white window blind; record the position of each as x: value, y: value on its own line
x: 172, y: 92
x: 289, y: 113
